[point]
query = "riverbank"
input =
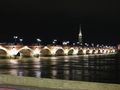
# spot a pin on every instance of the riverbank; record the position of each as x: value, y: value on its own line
x: 55, y: 84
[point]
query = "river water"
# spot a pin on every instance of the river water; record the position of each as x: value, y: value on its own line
x: 98, y: 68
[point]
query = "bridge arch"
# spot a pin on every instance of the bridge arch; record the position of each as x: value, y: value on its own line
x: 3, y: 52
x: 80, y: 52
x: 94, y: 51
x: 25, y: 52
x: 71, y: 51
x: 59, y: 52
x: 45, y: 52
x: 88, y: 51
x: 99, y: 51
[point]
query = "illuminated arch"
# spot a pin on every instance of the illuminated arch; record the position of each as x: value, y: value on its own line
x: 3, y: 52
x: 99, y: 51
x: 71, y: 51
x: 94, y: 51
x: 2, y: 48
x: 59, y: 52
x: 87, y: 51
x: 25, y: 51
x: 45, y: 52
x: 107, y: 51
x: 80, y: 52
x: 113, y: 50
x: 104, y: 51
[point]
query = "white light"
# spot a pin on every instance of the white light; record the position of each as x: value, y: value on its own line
x: 73, y: 43
x: 36, y: 51
x: 92, y: 45
x: 66, y: 51
x: 64, y: 43
x: 15, y: 37
x: 39, y: 40
x: 55, y: 40
x: 68, y: 42
x: 97, y: 45
x: 21, y: 40
x: 13, y: 52
x: 84, y: 51
x: 77, y: 42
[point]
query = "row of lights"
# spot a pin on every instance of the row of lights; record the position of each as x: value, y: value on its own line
x: 16, y: 37
x: 63, y: 43
x: 21, y: 40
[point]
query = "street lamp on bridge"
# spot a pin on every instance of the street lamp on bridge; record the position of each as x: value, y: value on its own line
x: 15, y: 38
x: 73, y: 44
x: 65, y: 42
x: 21, y: 40
x: 39, y: 41
x: 54, y: 41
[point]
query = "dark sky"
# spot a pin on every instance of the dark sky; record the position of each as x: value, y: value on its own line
x: 60, y: 19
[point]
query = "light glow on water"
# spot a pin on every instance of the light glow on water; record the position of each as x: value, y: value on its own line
x: 98, y: 68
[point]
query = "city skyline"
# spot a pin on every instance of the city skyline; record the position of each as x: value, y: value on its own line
x: 97, y: 37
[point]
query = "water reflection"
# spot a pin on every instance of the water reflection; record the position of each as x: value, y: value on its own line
x: 85, y: 68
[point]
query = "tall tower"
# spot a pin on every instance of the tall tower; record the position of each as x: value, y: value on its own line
x: 80, y: 36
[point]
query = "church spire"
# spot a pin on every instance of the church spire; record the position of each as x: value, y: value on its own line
x: 80, y: 32
x: 80, y: 36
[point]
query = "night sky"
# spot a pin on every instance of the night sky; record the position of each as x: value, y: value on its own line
x: 60, y: 19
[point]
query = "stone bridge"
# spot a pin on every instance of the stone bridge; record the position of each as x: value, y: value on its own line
x: 31, y: 51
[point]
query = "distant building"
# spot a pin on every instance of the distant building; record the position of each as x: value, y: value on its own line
x: 118, y: 46
x: 80, y: 36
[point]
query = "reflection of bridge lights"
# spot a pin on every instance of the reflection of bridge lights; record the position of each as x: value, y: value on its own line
x: 54, y: 62
x: 13, y: 61
x: 36, y: 63
x: 20, y: 73
x: 38, y: 74
x: 66, y: 60
x: 54, y: 58
x: 13, y: 72
x: 54, y: 73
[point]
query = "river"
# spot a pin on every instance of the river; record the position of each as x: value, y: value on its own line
x: 92, y: 68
